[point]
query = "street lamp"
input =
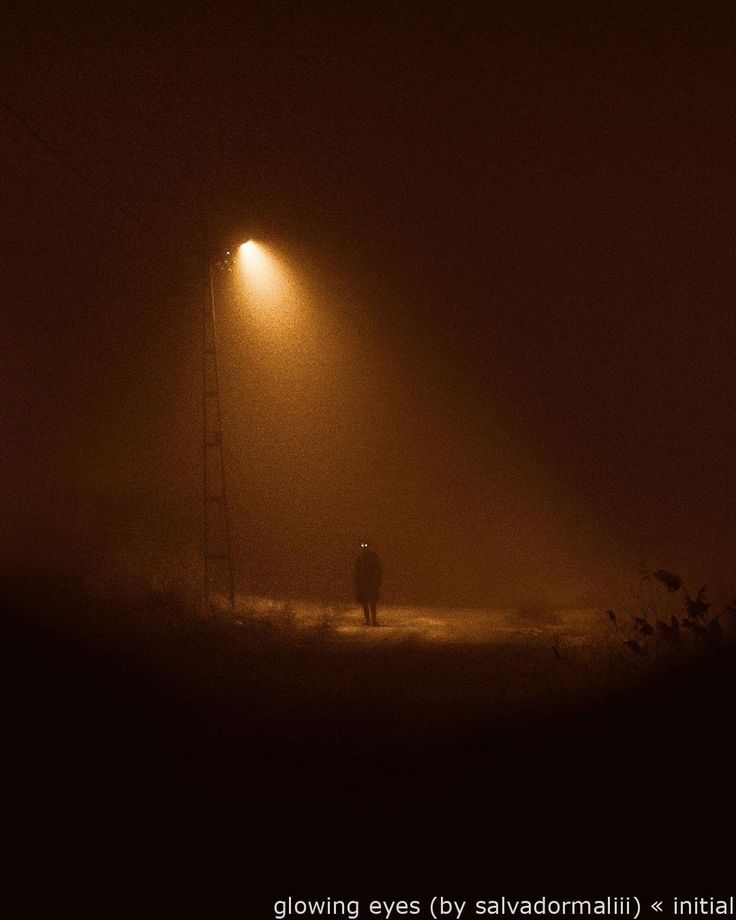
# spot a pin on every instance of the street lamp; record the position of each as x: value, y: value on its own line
x: 265, y: 277
x: 216, y: 536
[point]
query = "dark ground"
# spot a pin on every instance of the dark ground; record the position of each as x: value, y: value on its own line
x: 254, y: 770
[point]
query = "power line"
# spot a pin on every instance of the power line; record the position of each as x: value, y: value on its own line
x: 69, y: 165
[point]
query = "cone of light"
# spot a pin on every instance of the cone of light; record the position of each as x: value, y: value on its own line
x: 261, y: 273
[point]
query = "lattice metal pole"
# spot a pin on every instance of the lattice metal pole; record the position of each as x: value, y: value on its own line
x: 217, y: 540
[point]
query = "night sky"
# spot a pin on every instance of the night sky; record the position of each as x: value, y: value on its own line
x: 511, y: 225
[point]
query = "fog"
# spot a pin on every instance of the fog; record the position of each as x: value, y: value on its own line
x: 505, y: 354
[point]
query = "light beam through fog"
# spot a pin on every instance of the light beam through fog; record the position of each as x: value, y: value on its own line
x: 264, y: 277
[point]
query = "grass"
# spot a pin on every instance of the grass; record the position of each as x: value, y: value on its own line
x: 131, y: 704
x: 273, y: 663
x: 314, y: 673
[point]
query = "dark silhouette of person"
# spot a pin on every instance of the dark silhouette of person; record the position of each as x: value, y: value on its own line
x: 368, y: 574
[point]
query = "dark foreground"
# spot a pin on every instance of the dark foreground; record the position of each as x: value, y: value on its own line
x: 203, y: 764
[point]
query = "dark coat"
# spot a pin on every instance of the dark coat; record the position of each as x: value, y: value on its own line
x: 367, y: 577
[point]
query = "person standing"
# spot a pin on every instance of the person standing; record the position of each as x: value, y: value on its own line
x: 367, y: 576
